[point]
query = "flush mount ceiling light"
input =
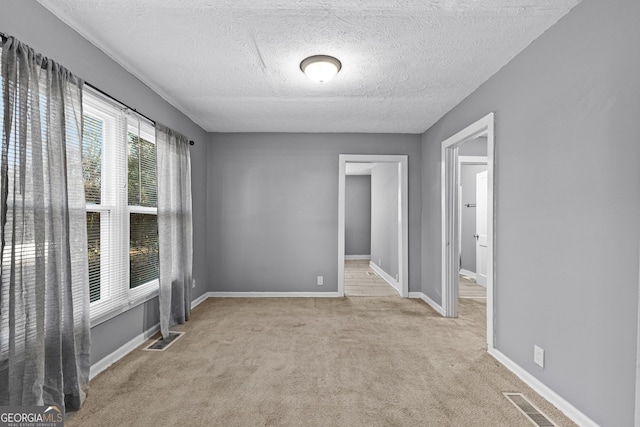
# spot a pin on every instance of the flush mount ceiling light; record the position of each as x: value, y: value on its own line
x: 320, y: 68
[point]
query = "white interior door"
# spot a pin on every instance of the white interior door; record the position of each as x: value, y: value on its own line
x: 481, y: 228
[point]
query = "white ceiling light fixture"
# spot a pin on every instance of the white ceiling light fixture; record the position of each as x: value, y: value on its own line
x: 320, y: 68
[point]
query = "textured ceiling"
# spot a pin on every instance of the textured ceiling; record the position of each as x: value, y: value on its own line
x: 233, y: 65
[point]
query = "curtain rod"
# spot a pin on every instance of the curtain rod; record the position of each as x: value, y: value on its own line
x: 97, y: 89
x: 4, y: 36
x: 125, y: 105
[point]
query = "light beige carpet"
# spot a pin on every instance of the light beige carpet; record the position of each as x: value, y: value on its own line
x: 313, y: 362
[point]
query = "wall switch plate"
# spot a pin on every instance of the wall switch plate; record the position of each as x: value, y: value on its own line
x: 193, y: 283
x: 538, y: 356
x: 320, y: 280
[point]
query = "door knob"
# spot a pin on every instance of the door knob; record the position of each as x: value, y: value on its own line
x: 476, y: 236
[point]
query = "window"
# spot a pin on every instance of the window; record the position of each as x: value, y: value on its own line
x: 143, y: 212
x: 119, y: 169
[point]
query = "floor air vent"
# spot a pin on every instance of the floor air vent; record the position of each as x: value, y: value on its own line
x: 371, y: 273
x: 162, y: 345
x: 531, y: 412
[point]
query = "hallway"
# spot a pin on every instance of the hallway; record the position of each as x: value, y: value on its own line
x: 361, y: 281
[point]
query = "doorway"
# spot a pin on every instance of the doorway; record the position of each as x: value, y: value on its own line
x: 451, y: 206
x: 472, y: 219
x: 399, y: 166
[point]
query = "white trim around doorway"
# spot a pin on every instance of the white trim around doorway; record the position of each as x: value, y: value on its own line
x: 472, y: 160
x: 637, y: 406
x: 450, y: 208
x: 403, y: 216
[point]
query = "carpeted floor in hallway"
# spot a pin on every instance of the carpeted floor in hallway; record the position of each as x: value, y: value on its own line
x: 314, y: 362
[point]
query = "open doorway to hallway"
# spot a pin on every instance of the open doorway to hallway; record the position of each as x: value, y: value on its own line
x: 452, y: 207
x: 388, y: 232
x: 371, y: 230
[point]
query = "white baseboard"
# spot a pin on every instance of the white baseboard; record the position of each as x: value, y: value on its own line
x: 390, y: 280
x: 428, y: 300
x: 351, y: 257
x: 568, y: 409
x: 198, y: 300
x: 468, y: 273
x: 473, y: 276
x: 273, y: 294
x: 112, y: 358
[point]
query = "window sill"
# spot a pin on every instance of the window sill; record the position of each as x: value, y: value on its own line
x: 126, y: 306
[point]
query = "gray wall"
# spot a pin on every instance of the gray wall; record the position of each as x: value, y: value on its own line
x: 384, y: 217
x: 468, y: 215
x: 34, y: 25
x: 272, y: 207
x: 475, y: 147
x: 567, y: 205
x: 357, y: 215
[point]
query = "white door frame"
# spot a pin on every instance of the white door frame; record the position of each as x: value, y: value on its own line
x: 403, y: 215
x: 637, y: 408
x: 450, y: 210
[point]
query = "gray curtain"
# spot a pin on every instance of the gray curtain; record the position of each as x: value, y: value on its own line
x: 175, y: 232
x: 44, y: 299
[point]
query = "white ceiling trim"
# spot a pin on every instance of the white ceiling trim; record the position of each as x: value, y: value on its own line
x: 124, y: 63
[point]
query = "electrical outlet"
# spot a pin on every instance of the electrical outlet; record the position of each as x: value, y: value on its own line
x: 193, y: 283
x: 397, y: 277
x: 379, y: 262
x: 538, y: 356
x: 320, y: 281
